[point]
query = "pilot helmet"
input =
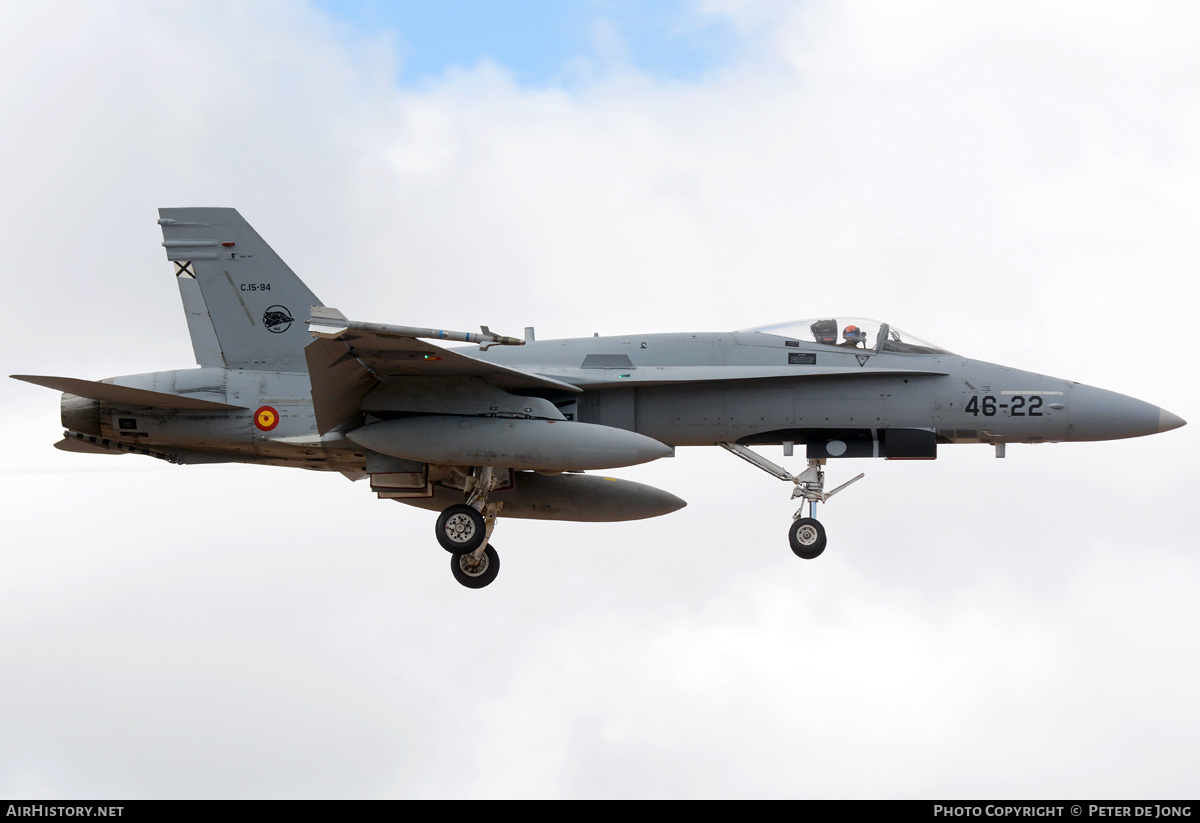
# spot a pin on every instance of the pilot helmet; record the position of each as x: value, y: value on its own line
x: 854, y: 334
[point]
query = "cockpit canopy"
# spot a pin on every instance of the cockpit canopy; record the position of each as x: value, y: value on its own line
x: 851, y: 332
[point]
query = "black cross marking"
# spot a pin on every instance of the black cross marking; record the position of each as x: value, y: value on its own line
x: 184, y: 268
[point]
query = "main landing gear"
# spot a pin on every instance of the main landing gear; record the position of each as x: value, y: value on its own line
x: 464, y: 530
x: 476, y: 572
x: 806, y: 535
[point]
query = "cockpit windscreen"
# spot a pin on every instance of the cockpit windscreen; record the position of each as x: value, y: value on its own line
x: 851, y: 333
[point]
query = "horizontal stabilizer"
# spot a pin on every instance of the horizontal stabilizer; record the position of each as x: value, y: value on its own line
x: 110, y: 393
x: 72, y: 444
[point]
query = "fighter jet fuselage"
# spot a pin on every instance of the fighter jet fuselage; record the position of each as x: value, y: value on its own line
x: 508, y: 427
x: 746, y: 396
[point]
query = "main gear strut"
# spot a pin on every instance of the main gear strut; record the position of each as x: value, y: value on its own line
x: 465, y: 529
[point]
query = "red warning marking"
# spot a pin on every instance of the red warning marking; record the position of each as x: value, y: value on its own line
x: 266, y: 418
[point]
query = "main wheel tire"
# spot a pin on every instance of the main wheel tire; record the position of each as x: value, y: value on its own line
x: 807, y: 537
x: 476, y: 575
x: 460, y: 529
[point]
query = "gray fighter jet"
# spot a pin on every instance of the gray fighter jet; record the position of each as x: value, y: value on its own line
x: 509, y: 428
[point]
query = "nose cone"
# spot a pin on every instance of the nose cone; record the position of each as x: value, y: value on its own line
x: 1096, y: 414
x: 1168, y: 421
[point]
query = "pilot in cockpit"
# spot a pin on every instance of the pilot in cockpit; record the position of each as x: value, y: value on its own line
x: 854, y: 336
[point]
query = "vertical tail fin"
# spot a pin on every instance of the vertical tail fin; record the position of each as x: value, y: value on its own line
x: 246, y: 309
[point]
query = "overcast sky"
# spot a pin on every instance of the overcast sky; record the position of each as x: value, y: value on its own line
x: 1017, y: 182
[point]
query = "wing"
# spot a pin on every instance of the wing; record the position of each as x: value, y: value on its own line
x: 348, y: 360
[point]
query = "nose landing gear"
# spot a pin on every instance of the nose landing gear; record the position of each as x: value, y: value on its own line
x: 805, y: 535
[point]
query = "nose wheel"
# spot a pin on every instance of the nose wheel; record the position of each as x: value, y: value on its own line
x: 805, y: 535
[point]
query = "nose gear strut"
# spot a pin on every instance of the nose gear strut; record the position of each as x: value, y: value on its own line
x: 806, y: 535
